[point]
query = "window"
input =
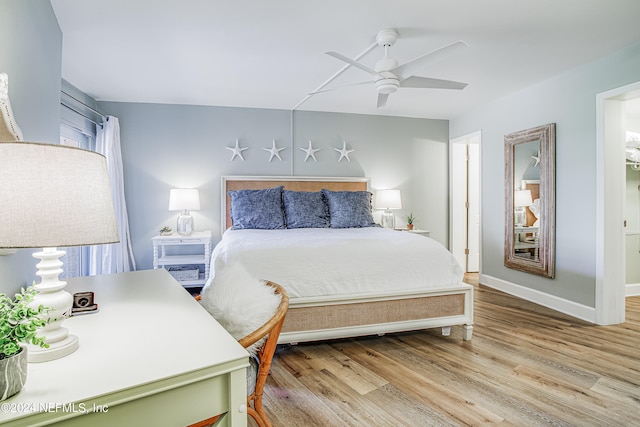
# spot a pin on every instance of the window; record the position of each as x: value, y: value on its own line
x: 76, y: 261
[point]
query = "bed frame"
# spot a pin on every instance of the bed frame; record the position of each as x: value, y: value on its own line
x: 321, y: 318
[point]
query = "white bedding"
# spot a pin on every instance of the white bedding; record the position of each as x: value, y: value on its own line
x: 311, y: 262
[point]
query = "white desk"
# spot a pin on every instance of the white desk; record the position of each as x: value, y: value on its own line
x: 151, y: 356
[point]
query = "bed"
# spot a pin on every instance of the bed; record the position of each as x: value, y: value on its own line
x: 342, y: 280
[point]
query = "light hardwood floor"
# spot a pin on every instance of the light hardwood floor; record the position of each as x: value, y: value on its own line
x: 525, y: 366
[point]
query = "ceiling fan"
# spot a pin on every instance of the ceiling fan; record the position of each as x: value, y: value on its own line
x: 389, y: 75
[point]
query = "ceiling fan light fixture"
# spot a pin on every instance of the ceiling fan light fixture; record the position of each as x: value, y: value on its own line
x: 386, y: 89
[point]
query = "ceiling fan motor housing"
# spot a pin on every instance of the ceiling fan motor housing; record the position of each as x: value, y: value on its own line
x: 387, y: 37
x: 386, y: 81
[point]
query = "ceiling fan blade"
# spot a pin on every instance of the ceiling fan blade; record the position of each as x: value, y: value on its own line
x: 340, y: 87
x: 429, y: 83
x: 382, y: 99
x: 410, y: 68
x: 352, y: 62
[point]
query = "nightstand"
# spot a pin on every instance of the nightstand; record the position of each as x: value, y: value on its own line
x: 183, y: 266
x: 526, y: 242
x: 416, y: 231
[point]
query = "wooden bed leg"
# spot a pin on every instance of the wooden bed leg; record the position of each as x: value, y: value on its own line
x: 467, y: 331
x: 446, y: 331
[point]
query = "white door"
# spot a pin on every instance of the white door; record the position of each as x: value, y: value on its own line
x: 465, y: 201
x: 473, y: 219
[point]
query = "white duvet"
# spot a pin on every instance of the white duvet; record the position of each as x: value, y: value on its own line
x: 312, y: 262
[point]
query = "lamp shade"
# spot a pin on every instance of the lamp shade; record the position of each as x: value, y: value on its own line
x: 54, y: 195
x: 522, y: 198
x: 388, y: 199
x: 184, y: 199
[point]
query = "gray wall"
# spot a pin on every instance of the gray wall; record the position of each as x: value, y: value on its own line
x: 569, y: 100
x: 30, y: 53
x: 169, y: 146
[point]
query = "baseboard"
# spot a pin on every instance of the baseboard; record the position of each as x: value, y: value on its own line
x: 632, y: 290
x: 562, y: 305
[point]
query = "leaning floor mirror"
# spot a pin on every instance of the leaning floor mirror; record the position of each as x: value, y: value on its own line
x: 530, y: 200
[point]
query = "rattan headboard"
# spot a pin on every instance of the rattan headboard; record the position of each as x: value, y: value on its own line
x: 294, y: 183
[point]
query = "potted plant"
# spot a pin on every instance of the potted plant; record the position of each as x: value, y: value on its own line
x: 19, y: 324
x: 165, y: 231
x: 410, y: 220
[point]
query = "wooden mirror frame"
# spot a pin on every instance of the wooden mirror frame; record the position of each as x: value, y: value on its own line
x: 545, y: 264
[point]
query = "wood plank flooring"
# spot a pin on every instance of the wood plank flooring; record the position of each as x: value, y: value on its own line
x: 525, y: 366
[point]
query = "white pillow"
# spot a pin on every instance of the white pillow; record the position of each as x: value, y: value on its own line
x: 239, y: 302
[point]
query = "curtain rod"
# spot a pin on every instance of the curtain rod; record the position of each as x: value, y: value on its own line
x: 83, y: 104
x: 83, y: 115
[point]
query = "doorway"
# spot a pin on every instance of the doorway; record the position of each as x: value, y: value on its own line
x: 464, y: 232
x: 610, y: 203
x: 632, y: 195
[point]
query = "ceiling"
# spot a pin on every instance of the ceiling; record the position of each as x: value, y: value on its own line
x: 271, y: 54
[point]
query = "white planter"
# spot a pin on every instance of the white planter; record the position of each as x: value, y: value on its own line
x: 13, y: 374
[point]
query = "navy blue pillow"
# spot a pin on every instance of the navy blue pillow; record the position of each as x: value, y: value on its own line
x: 261, y: 209
x: 349, y: 209
x: 305, y: 209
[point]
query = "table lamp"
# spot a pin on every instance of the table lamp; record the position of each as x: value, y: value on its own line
x: 387, y: 200
x: 521, y: 199
x: 185, y: 200
x: 54, y: 196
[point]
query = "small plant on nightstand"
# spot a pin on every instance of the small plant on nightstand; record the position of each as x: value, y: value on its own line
x: 411, y: 219
x: 165, y: 231
x: 19, y: 325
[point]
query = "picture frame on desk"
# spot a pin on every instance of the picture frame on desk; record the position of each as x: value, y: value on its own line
x: 83, y: 303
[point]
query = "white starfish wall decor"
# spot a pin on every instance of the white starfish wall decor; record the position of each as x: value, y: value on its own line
x: 311, y: 152
x: 237, y: 151
x: 344, y: 153
x: 274, y: 151
x: 537, y: 159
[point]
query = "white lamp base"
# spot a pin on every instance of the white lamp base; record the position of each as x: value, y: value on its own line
x: 56, y: 350
x: 388, y: 219
x: 51, y: 293
x: 185, y: 224
x: 520, y: 216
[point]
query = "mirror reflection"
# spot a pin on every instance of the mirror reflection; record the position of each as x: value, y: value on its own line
x: 530, y: 200
x: 526, y: 199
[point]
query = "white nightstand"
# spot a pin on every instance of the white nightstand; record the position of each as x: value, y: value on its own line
x: 163, y: 259
x: 416, y: 231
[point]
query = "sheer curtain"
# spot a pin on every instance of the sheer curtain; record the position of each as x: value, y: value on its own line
x: 116, y: 257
